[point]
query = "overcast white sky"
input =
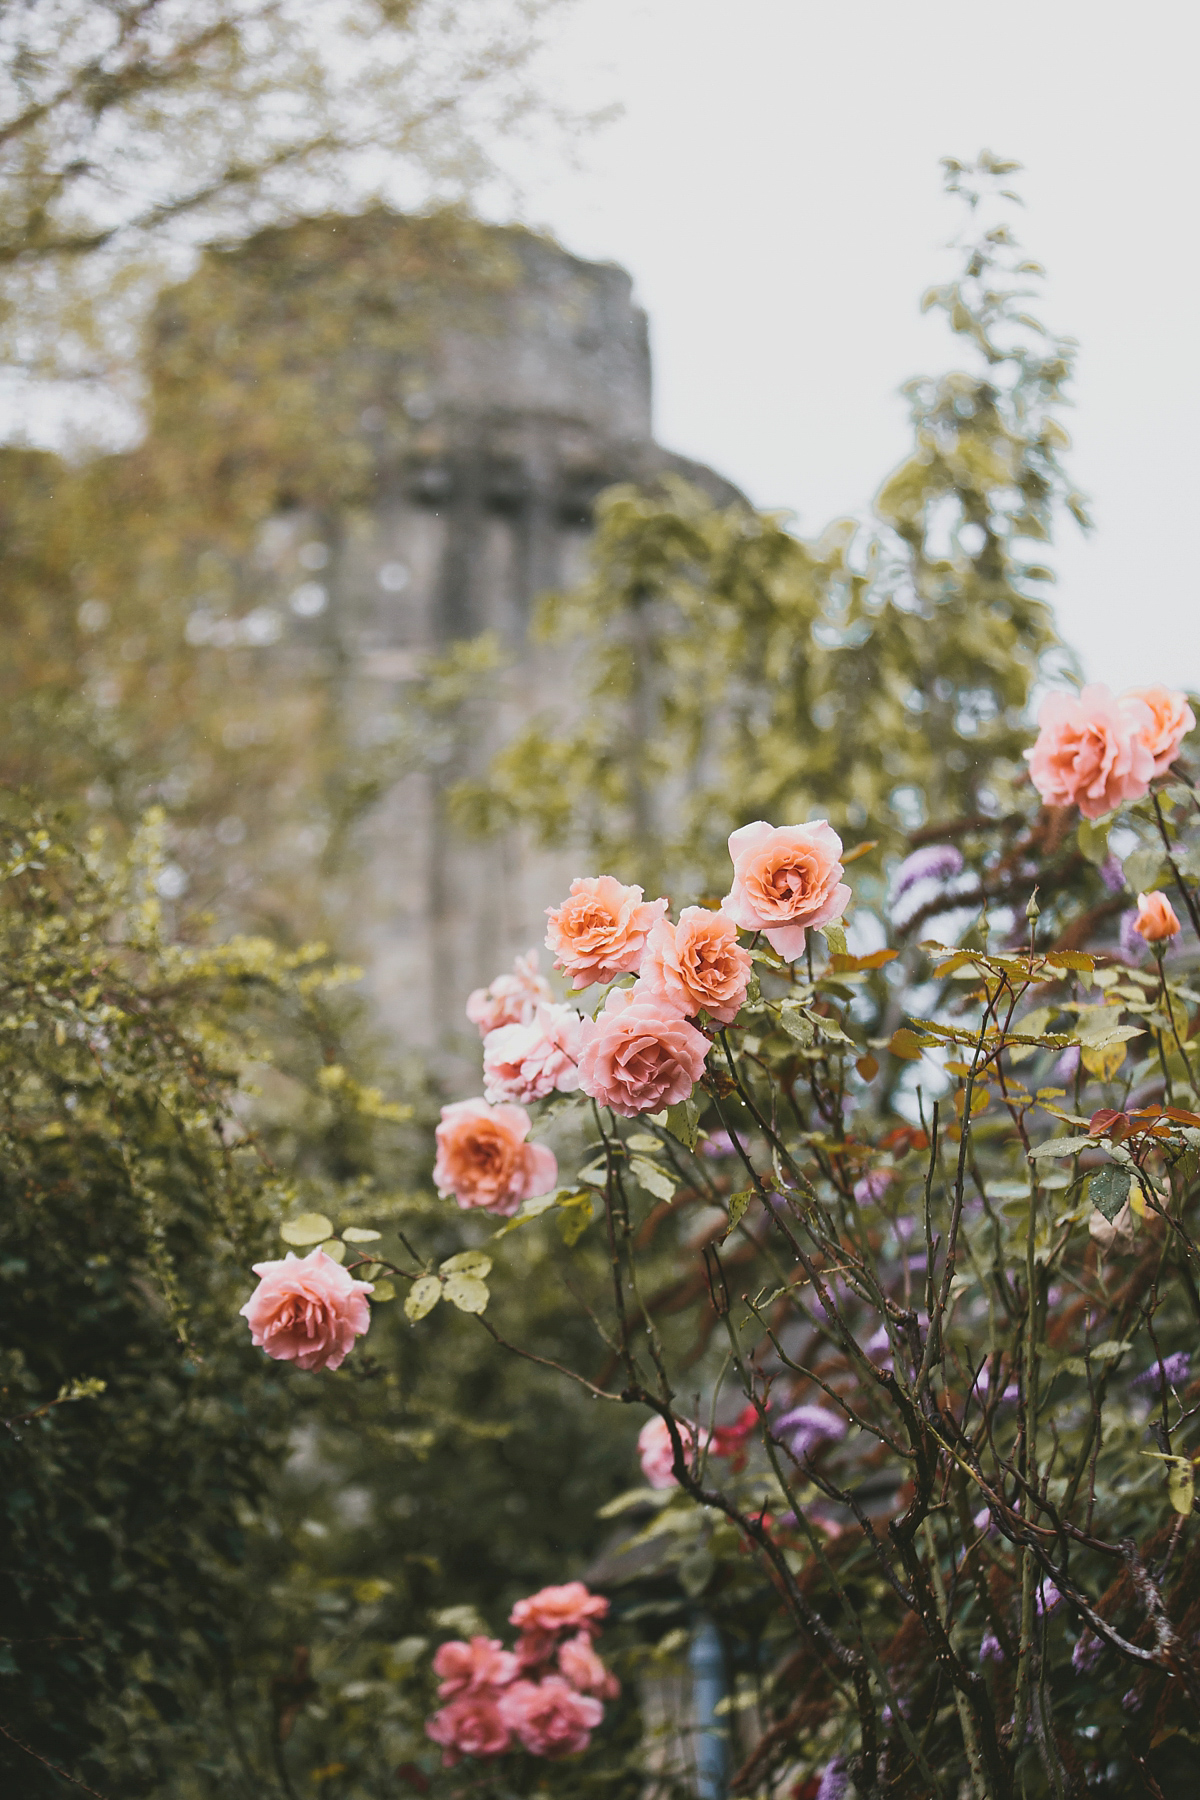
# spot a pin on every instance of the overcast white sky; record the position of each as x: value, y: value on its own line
x: 774, y: 189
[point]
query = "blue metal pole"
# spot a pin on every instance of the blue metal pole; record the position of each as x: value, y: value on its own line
x: 710, y: 1685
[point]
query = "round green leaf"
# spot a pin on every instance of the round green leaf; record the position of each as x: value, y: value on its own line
x: 468, y: 1262
x: 467, y: 1292
x: 309, y: 1228
x: 424, y: 1297
x: 383, y: 1290
x: 358, y: 1234
x: 336, y: 1249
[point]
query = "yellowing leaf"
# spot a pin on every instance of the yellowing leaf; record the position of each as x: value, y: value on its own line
x: 468, y: 1262
x: 906, y: 1045
x: 683, y: 1122
x: 737, y: 1210
x: 309, y: 1228
x: 1181, y: 1480
x: 1102, y: 1060
x: 467, y: 1292
x: 423, y: 1297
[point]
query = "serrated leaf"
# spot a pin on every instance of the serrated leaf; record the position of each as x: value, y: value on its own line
x: 467, y: 1262
x: 737, y: 1210
x: 653, y: 1177
x: 797, y: 1023
x: 683, y: 1121
x: 422, y: 1297
x: 383, y: 1290
x: 309, y: 1228
x: 1066, y: 1146
x: 467, y: 1292
x: 1108, y: 1190
x: 358, y: 1234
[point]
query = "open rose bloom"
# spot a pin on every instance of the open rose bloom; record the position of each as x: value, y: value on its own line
x: 640, y: 1054
x: 484, y: 1161
x: 787, y: 880
x: 656, y: 1453
x: 549, y: 1717
x: 697, y: 965
x: 1091, y: 750
x: 1171, y: 718
x: 527, y: 1062
x: 511, y: 999
x: 600, y: 930
x: 307, y: 1310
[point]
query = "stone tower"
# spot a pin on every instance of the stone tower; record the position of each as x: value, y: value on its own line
x: 487, y: 435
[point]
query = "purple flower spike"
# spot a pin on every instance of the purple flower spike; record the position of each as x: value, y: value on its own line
x: 1048, y: 1598
x: 932, y: 862
x: 1175, y: 1369
x: 1133, y: 944
x: 805, y: 1427
x: 989, y: 1649
x: 873, y: 1186
x: 834, y: 1782
x: 719, y: 1143
x: 1087, y: 1653
x: 1112, y: 874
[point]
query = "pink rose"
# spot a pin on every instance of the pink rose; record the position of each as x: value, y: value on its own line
x: 307, y: 1310
x: 640, y: 1055
x: 535, y: 1647
x: 549, y: 1717
x: 472, y: 1668
x: 1089, y: 751
x: 697, y: 964
x: 786, y: 880
x: 1171, y: 720
x: 584, y: 1670
x: 527, y: 1062
x: 656, y: 1452
x: 471, y: 1726
x: 1156, y: 919
x: 600, y: 929
x: 484, y: 1161
x: 511, y: 999
x: 567, y: 1608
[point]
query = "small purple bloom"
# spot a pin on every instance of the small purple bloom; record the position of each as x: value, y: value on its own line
x: 989, y: 1648
x: 873, y: 1186
x: 834, y: 1782
x: 1087, y: 1653
x: 719, y: 1143
x: 1048, y: 1598
x: 1066, y: 1067
x: 804, y: 1427
x: 1112, y: 873
x: 932, y: 862
x: 1175, y: 1369
x: 1133, y: 944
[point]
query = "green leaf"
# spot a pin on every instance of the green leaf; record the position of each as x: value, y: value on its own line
x: 1064, y: 1146
x: 797, y: 1023
x: 358, y: 1234
x: 467, y: 1292
x: 737, y: 1210
x: 1108, y: 1190
x: 309, y: 1228
x: 596, y: 1174
x: 641, y: 1140
x: 653, y: 1178
x: 577, y: 1214
x: 383, y: 1290
x: 1181, y: 1480
x: 1144, y: 869
x: 530, y: 1209
x: 335, y: 1249
x: 468, y: 1262
x: 835, y: 936
x: 423, y: 1297
x: 1093, y: 839
x: 683, y: 1121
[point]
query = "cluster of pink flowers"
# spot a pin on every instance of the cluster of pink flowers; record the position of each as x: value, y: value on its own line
x: 1094, y: 750
x: 544, y: 1695
x: 656, y: 1452
x: 642, y: 1052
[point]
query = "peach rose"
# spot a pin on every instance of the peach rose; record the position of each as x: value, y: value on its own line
x: 484, y: 1161
x: 1172, y: 718
x: 527, y: 1062
x: 549, y: 1717
x: 1156, y: 918
x: 1089, y: 751
x: 307, y: 1310
x: 787, y: 879
x: 471, y: 1668
x: 583, y: 1669
x: 470, y: 1726
x: 600, y: 929
x: 639, y: 1055
x: 569, y: 1607
x: 656, y: 1452
x: 511, y: 999
x: 697, y: 964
